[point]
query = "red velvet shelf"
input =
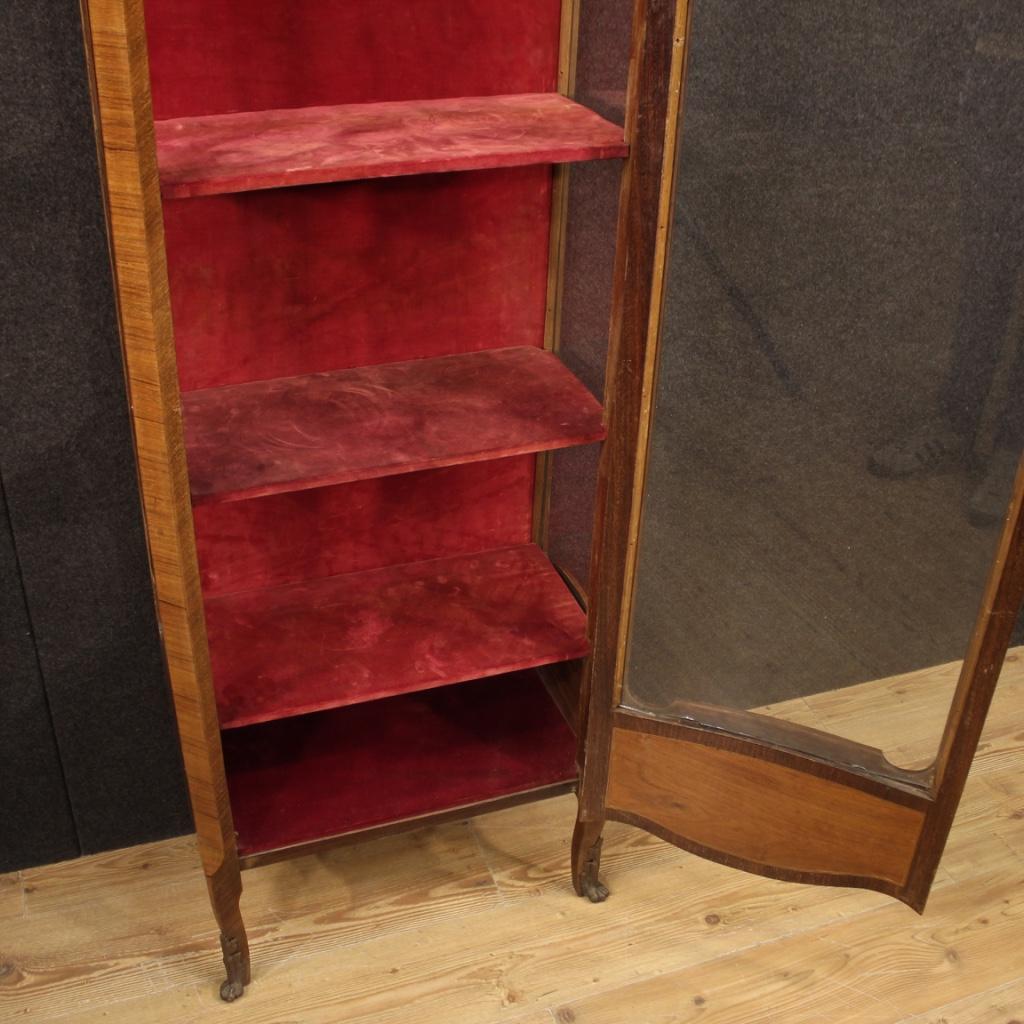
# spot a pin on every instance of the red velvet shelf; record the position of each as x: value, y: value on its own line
x: 294, y: 433
x: 340, y: 771
x: 220, y: 153
x: 362, y: 636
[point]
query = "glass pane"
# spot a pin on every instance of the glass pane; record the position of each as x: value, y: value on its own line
x: 602, y: 70
x: 840, y: 401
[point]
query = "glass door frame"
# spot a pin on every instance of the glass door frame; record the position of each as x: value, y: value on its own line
x: 775, y: 798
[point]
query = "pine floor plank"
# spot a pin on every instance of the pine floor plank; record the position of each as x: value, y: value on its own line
x: 107, y: 949
x: 875, y: 969
x: 1003, y: 1005
x: 476, y: 924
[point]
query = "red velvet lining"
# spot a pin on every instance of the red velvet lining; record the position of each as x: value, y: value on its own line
x: 300, y: 432
x: 304, y: 535
x: 202, y: 156
x: 217, y: 56
x: 292, y: 281
x: 322, y: 278
x: 338, y: 771
x: 355, y: 638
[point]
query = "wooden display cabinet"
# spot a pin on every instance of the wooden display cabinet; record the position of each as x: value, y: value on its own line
x: 358, y: 219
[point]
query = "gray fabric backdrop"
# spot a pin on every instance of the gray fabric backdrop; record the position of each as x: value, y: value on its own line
x: 88, y: 753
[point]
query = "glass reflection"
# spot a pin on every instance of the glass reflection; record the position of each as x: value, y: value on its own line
x: 840, y: 402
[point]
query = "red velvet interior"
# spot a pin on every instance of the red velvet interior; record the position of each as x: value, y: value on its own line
x: 319, y: 278
x: 363, y: 636
x: 295, y: 433
x: 337, y: 771
x: 231, y: 55
x: 244, y: 545
x: 219, y: 153
x: 299, y: 280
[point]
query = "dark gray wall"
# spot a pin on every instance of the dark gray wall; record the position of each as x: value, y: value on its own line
x: 79, y: 630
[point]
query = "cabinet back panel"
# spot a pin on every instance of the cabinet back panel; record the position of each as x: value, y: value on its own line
x: 301, y: 280
x: 214, y: 58
x: 290, y: 281
x: 286, y: 538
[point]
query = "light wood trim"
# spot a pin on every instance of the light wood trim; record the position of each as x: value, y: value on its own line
x: 740, y: 808
x: 116, y: 48
x: 999, y: 607
x: 986, y: 654
x: 568, y: 44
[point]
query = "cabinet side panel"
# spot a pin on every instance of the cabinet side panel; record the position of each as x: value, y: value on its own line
x: 121, y: 81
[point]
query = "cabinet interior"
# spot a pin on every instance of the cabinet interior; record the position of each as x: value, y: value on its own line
x: 362, y: 226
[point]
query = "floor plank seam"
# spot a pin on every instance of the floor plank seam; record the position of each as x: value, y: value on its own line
x: 925, y: 1017
x: 480, y: 845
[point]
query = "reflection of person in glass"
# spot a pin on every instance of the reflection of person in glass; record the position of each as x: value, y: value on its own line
x: 992, y: 135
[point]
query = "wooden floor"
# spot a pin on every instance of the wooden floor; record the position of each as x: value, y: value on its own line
x: 475, y: 923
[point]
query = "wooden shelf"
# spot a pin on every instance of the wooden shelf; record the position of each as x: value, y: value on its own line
x: 294, y: 433
x: 363, y: 636
x: 221, y: 153
x: 322, y: 775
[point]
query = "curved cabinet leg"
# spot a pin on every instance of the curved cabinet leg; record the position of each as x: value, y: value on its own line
x: 586, y: 861
x: 225, y: 889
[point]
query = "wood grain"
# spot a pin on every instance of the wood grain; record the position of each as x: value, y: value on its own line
x: 568, y: 47
x: 907, y: 850
x: 477, y: 925
x: 743, y: 809
x: 116, y: 48
x: 1000, y: 607
x: 133, y: 205
x: 654, y: 100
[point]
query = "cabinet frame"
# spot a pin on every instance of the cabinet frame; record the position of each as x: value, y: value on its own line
x: 616, y: 744
x: 118, y: 66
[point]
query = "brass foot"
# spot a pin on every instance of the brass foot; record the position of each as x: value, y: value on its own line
x: 595, y: 890
x: 231, y: 990
x: 236, y: 961
x: 586, y: 861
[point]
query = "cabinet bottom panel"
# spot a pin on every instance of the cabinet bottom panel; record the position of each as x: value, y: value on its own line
x: 302, y: 779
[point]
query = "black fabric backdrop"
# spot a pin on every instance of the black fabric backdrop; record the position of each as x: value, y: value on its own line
x: 78, y: 636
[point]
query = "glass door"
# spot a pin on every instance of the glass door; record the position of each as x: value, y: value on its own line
x: 809, y: 575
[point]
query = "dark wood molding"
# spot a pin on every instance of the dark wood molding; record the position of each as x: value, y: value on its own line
x: 1000, y: 607
x: 654, y: 99
x: 787, y: 748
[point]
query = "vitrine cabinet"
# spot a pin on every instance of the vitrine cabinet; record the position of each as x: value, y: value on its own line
x: 380, y: 417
